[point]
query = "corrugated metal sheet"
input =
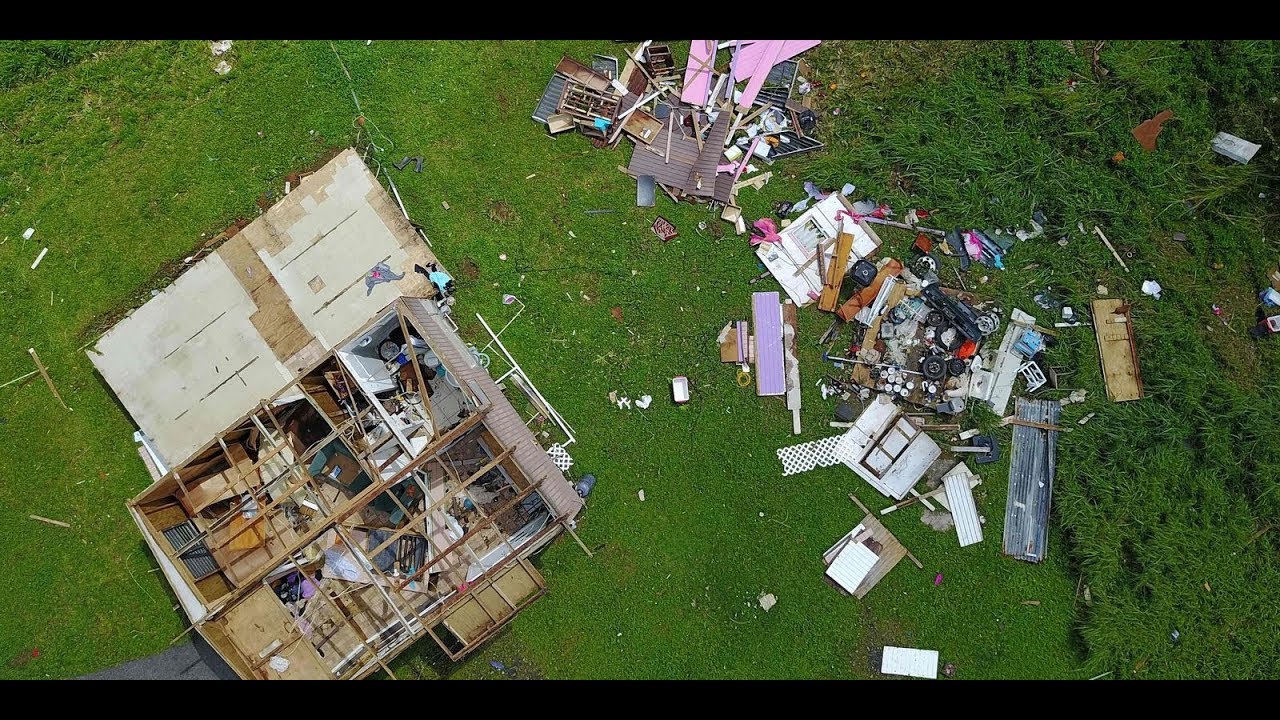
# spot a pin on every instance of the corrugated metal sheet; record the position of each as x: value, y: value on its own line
x: 1031, y: 470
x: 910, y: 662
x: 963, y: 509
x: 794, y: 145
x: 766, y: 316
x: 550, y: 98
x: 852, y: 565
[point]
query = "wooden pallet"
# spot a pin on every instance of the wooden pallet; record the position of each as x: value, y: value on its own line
x: 586, y: 104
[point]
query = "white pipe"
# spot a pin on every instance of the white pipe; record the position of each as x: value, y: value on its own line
x: 568, y: 430
x: 396, y: 192
x: 504, y: 327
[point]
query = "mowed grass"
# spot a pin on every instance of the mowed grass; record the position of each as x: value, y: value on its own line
x: 122, y: 160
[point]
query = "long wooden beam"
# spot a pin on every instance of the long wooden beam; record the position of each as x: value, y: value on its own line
x: 471, y: 533
x: 365, y: 496
x: 445, y: 498
x: 423, y: 389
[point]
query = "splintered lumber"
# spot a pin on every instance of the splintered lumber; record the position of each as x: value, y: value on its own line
x: 59, y: 523
x: 792, y: 363
x: 1015, y: 420
x: 19, y: 379
x: 835, y: 273
x: 1098, y: 231
x: 1116, y: 349
x: 48, y: 380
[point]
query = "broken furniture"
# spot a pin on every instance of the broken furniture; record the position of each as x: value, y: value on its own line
x: 1031, y: 471
x: 661, y: 63
x: 996, y: 385
x: 793, y: 260
x: 886, y: 449
x: 694, y: 130
x: 1117, y: 350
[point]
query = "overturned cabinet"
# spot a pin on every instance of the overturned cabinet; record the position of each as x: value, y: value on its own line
x: 385, y: 490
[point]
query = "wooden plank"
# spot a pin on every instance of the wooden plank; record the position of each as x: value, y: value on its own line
x: 1116, y: 350
x: 47, y: 380
x: 792, y: 363
x: 835, y: 273
x: 46, y: 520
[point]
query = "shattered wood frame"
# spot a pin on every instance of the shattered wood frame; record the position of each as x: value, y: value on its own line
x: 287, y: 482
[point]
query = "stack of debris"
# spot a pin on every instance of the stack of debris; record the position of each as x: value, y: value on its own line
x: 696, y: 134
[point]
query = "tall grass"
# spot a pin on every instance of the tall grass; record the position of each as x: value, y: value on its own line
x: 1159, y: 498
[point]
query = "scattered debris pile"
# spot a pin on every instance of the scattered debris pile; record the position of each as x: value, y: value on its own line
x: 697, y: 133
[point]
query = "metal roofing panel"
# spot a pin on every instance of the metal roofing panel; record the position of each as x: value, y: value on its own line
x: 550, y: 98
x: 1031, y: 469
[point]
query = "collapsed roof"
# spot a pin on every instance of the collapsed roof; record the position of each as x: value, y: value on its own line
x: 248, y: 319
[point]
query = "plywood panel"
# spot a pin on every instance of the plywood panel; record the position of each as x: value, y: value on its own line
x: 1116, y: 349
x: 910, y: 662
x: 258, y: 621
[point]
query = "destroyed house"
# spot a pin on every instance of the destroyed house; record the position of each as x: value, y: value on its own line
x: 367, y: 482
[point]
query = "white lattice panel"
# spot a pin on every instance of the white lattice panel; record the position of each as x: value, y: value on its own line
x: 808, y: 455
x: 560, y: 456
x: 849, y: 448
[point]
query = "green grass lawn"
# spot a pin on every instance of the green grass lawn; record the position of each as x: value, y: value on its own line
x: 122, y: 155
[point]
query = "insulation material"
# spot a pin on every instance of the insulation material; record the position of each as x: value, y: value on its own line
x: 963, y: 508
x: 910, y: 662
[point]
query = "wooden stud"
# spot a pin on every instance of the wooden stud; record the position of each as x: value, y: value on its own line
x: 422, y: 383
x: 19, y: 379
x: 47, y: 380
x: 59, y: 523
x: 574, y: 535
x: 1098, y: 231
x: 445, y: 498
